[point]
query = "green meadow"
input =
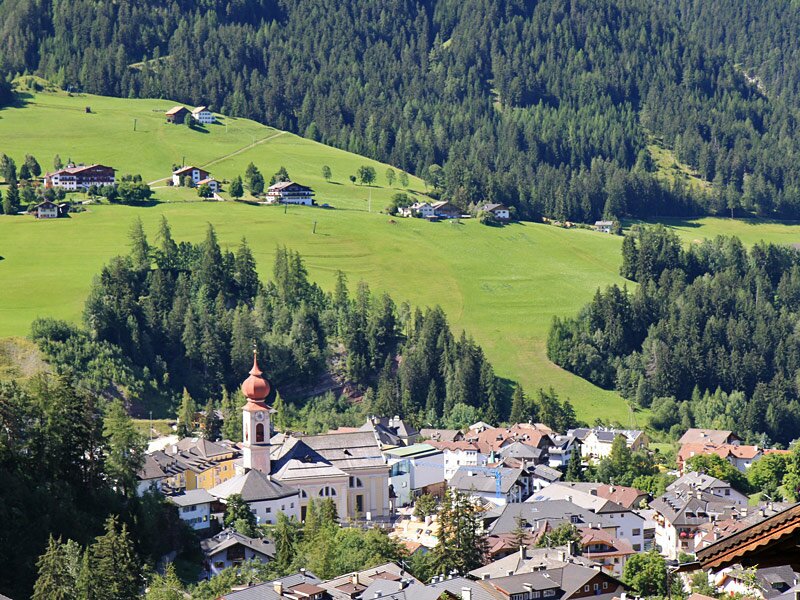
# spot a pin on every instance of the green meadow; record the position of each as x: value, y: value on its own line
x: 750, y: 231
x: 502, y: 285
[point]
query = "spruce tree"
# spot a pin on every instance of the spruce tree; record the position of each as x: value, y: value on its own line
x: 140, y: 249
x: 11, y: 200
x: 574, y: 471
x: 55, y: 581
x: 236, y: 188
x: 165, y: 587
x: 211, y: 424
x: 115, y: 570
x: 518, y: 405
x: 232, y: 423
x: 286, y: 537
x: 125, y: 448
x: 186, y: 415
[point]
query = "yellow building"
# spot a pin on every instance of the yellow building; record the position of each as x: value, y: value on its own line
x: 196, y: 463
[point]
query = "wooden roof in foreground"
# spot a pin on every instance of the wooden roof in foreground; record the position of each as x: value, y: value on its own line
x: 772, y: 542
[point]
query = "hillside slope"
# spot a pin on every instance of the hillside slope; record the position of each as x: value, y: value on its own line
x: 502, y: 285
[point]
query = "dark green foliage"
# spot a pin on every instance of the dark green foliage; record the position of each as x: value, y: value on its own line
x: 114, y: 571
x: 461, y: 545
x: 563, y: 535
x: 239, y: 516
x: 712, y: 325
x: 236, y: 188
x: 254, y: 180
x: 716, y: 466
x: 623, y: 465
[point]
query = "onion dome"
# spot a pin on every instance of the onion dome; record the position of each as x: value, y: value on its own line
x: 255, y: 387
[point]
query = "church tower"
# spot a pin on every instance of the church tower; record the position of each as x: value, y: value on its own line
x: 255, y: 421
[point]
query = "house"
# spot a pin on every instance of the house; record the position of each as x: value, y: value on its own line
x: 298, y: 586
x: 196, y: 174
x: 491, y: 440
x: 46, y: 210
x: 741, y: 518
x: 391, y: 431
x: 194, y: 463
x: 500, y: 211
x: 441, y: 435
x: 629, y: 524
x: 764, y: 584
x: 445, y: 210
x: 265, y: 496
x: 540, y: 517
x: 212, y: 184
x: 289, y: 192
x: 80, y: 177
x: 355, y: 585
x: 459, y: 454
x: 560, y: 453
x: 543, y: 476
x: 603, y: 226
x: 150, y: 476
x: 423, y: 210
x: 739, y: 455
x: 605, y: 549
x: 483, y: 483
x: 194, y: 507
x: 425, y: 531
x: 176, y: 115
x: 230, y: 548
x: 528, y: 560
x: 597, y: 441
x: 694, y: 481
x: 715, y: 437
x: 202, y: 115
x: 413, y: 469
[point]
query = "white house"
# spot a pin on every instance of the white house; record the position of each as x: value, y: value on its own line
x: 597, y: 442
x: 230, y: 548
x: 423, y: 209
x: 603, y: 226
x: 202, y: 115
x: 150, y: 477
x: 46, y: 210
x: 459, y: 454
x: 265, y: 496
x: 194, y: 507
x: 289, y: 192
x: 700, y: 482
x: 482, y: 483
x: 212, y: 184
x: 413, y: 468
x: 195, y: 173
x: 500, y: 211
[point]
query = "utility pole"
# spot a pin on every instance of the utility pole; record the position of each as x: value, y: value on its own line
x: 151, y: 424
x: 369, y: 202
x: 134, y: 124
x: 314, y: 230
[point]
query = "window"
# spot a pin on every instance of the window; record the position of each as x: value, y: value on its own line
x: 637, y: 532
x: 268, y: 509
x: 637, y: 547
x: 549, y: 593
x: 259, y: 433
x: 303, y: 494
x: 586, y: 588
x: 605, y: 585
x: 596, y: 586
x: 327, y: 492
x: 355, y: 482
x: 536, y: 594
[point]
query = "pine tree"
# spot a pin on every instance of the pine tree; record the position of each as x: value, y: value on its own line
x: 125, y: 448
x: 232, y: 423
x: 115, y: 571
x: 168, y: 249
x: 518, y: 405
x: 186, y: 415
x: 165, y: 587
x: 286, y: 537
x: 211, y: 424
x: 461, y: 546
x: 11, y: 200
x: 140, y: 249
x: 574, y: 470
x: 245, y: 275
x: 56, y: 580
x: 236, y: 188
x: 279, y: 417
x: 33, y: 165
x: 57, y: 163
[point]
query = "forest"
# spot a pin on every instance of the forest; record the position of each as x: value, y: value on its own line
x: 173, y: 318
x: 707, y: 338
x: 548, y: 107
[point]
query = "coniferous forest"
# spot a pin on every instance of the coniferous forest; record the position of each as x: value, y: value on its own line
x: 707, y: 338
x: 546, y: 106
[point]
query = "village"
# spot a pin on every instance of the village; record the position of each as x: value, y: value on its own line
x: 516, y: 478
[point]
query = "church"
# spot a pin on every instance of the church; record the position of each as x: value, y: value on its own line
x: 288, y: 471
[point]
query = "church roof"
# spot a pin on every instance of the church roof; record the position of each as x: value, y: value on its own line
x: 328, y: 455
x: 253, y: 486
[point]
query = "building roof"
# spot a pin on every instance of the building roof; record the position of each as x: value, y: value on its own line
x: 527, y: 561
x: 771, y: 582
x: 413, y: 451
x: 327, y: 455
x: 186, y: 169
x: 176, y: 110
x: 569, y: 578
x: 771, y: 542
x: 692, y: 510
x: 253, y: 486
x: 616, y: 546
x: 603, y: 223
x: 442, y: 435
x: 206, y: 180
x: 606, y: 434
x: 344, y: 586
x: 192, y: 498
x: 537, y: 515
x: 694, y: 480
x: 547, y: 473
x: 266, y: 591
x: 229, y: 537
x: 717, y: 437
x: 199, y: 109
x: 281, y: 185
x: 150, y: 469
x: 469, y: 479
x: 579, y: 495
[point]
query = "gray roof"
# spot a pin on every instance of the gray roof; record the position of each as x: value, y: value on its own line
x: 266, y: 591
x: 552, y: 512
x: 520, y: 450
x: 696, y: 481
x: 692, y: 509
x: 481, y: 590
x: 546, y: 473
x: 191, y: 498
x: 534, y: 560
x: 150, y: 470
x: 343, y: 587
x: 468, y: 479
x: 328, y: 455
x: 253, y: 486
x: 442, y: 435
x: 772, y: 581
x: 228, y: 538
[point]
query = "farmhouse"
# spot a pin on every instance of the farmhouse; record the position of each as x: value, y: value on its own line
x: 176, y: 114
x: 230, y: 548
x: 603, y: 226
x: 46, y: 210
x: 197, y: 175
x: 445, y: 210
x: 212, y: 184
x: 500, y: 211
x: 289, y: 192
x: 79, y: 177
x: 202, y: 115
x: 422, y: 209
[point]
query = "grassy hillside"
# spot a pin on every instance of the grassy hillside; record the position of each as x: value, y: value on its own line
x: 502, y: 285
x: 749, y: 231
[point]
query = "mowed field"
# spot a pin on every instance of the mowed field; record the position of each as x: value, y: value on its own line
x: 750, y: 231
x: 502, y: 285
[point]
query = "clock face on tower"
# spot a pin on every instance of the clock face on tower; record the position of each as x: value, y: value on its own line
x: 259, y: 416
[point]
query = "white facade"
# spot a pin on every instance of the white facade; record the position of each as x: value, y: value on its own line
x: 453, y: 459
x: 266, y: 511
x: 194, y: 173
x: 408, y: 474
x: 197, y: 516
x: 202, y: 115
x: 288, y: 192
x: 212, y: 184
x: 47, y: 210
x: 423, y: 209
x: 502, y: 213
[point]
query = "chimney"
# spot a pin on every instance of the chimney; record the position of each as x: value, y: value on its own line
x: 466, y: 593
x: 509, y: 573
x: 528, y: 587
x: 522, y: 553
x: 378, y: 594
x: 278, y: 587
x: 303, y: 573
x: 485, y: 576
x: 354, y: 579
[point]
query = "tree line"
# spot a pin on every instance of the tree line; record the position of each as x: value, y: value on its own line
x: 707, y: 338
x: 549, y: 107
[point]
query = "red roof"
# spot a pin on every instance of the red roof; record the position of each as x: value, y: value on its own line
x: 255, y: 387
